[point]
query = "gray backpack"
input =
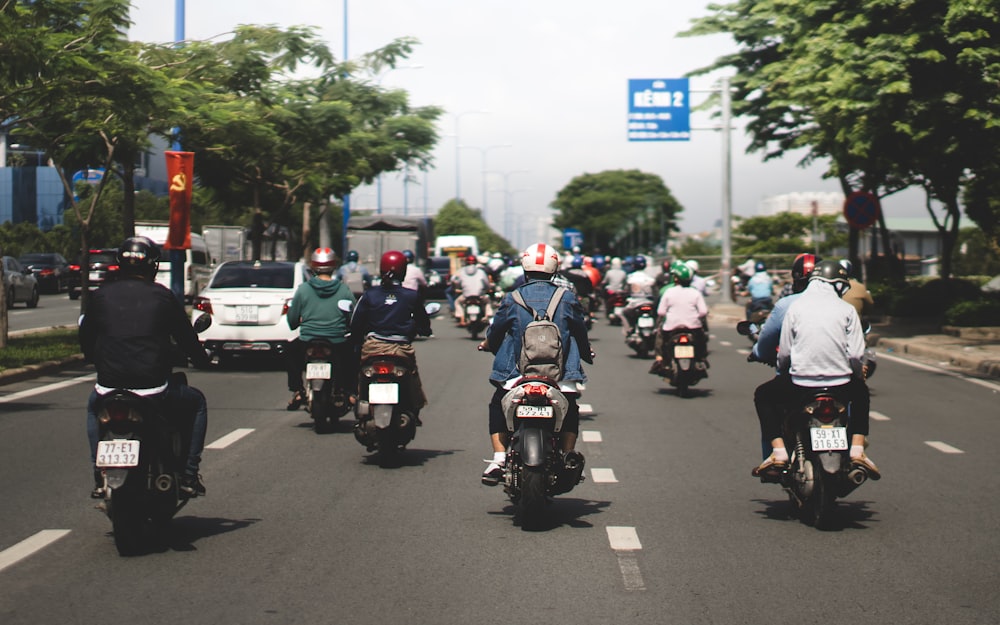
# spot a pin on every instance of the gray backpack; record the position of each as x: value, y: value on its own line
x: 541, y: 346
x: 354, y: 279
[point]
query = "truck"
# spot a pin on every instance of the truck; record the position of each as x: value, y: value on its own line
x: 226, y: 243
x: 373, y: 235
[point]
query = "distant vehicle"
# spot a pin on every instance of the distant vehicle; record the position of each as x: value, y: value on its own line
x: 456, y: 244
x: 373, y: 235
x: 248, y: 301
x: 438, y: 276
x: 19, y: 283
x: 103, y: 266
x: 197, y: 266
x: 51, y: 270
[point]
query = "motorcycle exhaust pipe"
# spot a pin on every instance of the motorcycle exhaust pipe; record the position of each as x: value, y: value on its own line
x: 573, y: 460
x: 857, y: 476
x: 164, y: 483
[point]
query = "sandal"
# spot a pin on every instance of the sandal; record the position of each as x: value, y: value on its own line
x: 297, y: 400
x: 769, y: 470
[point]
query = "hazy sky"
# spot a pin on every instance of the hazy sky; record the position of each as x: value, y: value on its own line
x: 552, y: 77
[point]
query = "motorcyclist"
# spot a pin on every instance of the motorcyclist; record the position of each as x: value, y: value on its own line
x: 354, y: 274
x: 387, y: 319
x: 858, y: 295
x: 503, y: 340
x: 614, y: 277
x: 414, y: 279
x: 582, y: 284
x: 314, y: 311
x: 821, y: 346
x: 697, y: 281
x: 510, y: 275
x: 640, y: 287
x: 471, y: 281
x: 760, y: 287
x: 682, y: 309
x: 126, y: 333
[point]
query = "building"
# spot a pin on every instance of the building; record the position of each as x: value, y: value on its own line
x: 825, y: 202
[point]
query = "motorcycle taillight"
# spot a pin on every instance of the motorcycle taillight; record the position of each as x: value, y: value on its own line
x: 383, y: 368
x: 826, y: 409
x: 539, y: 390
x: 318, y: 352
x: 683, y: 339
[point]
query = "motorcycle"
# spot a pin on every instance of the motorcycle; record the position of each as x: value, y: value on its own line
x: 475, y: 315
x: 141, y: 455
x: 535, y: 467
x: 614, y: 306
x: 324, y: 404
x: 686, y: 370
x: 642, y: 337
x: 386, y: 416
x: 819, y: 470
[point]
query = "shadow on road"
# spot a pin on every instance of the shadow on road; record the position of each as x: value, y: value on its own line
x: 849, y: 514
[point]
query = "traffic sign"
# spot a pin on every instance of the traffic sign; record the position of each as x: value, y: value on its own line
x: 658, y: 109
x: 571, y: 238
x: 861, y: 209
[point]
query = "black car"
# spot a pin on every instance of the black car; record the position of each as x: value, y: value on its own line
x: 51, y: 270
x: 103, y: 266
x: 438, y: 276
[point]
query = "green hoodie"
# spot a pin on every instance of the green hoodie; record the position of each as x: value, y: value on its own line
x: 314, y: 310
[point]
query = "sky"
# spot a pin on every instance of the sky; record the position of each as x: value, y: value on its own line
x: 535, y: 90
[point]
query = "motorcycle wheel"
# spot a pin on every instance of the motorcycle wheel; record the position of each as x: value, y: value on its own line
x: 820, y: 510
x: 320, y: 412
x: 532, y: 498
x: 127, y: 521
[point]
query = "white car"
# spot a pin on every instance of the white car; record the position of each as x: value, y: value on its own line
x: 248, y: 301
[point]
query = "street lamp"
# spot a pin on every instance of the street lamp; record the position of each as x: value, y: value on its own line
x: 506, y: 183
x: 483, y: 151
x: 378, y: 179
x: 458, y: 145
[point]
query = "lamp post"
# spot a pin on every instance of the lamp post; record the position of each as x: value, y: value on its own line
x: 458, y: 146
x: 506, y: 194
x: 483, y: 151
x: 378, y: 179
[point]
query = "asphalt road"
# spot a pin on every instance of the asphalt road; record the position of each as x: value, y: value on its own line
x: 52, y: 310
x: 668, y: 528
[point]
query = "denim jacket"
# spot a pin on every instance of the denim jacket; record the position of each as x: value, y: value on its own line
x: 505, y: 333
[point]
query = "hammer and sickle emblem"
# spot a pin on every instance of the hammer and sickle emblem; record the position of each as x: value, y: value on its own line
x: 178, y: 182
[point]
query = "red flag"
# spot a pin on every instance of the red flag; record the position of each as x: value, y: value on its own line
x: 180, y: 174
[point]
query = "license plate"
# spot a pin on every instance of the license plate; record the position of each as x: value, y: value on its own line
x: 829, y: 438
x: 683, y: 351
x: 383, y: 393
x: 246, y: 314
x: 118, y: 453
x: 534, y: 412
x: 95, y: 275
x: 318, y: 370
x: 646, y: 322
x: 472, y: 310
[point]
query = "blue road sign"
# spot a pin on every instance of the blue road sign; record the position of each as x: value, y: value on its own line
x: 659, y: 109
x: 571, y: 237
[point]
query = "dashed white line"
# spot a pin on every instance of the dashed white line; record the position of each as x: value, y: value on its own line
x: 944, y: 448
x: 28, y: 546
x: 591, y: 436
x: 625, y: 543
x: 229, y: 439
x: 623, y: 538
x: 586, y: 409
x: 31, y: 392
x: 726, y: 343
x: 603, y: 476
x: 878, y: 416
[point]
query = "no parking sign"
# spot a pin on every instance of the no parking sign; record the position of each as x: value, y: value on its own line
x: 861, y: 209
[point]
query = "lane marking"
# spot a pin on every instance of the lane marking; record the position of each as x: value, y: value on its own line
x: 603, y: 476
x: 591, y: 436
x: 625, y: 543
x: 917, y: 365
x: 878, y: 416
x: 55, y: 386
x: 726, y: 343
x: 944, y: 448
x: 28, y: 546
x: 586, y: 408
x: 743, y: 352
x: 229, y: 439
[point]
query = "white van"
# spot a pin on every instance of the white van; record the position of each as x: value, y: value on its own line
x: 197, y: 266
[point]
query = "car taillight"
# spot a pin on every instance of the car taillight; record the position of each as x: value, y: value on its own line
x: 284, y: 309
x: 74, y: 267
x: 46, y: 272
x: 203, y: 304
x: 112, y: 267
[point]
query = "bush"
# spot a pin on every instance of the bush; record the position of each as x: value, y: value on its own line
x: 985, y: 312
x: 927, y: 297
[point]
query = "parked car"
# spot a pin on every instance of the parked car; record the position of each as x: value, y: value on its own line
x: 51, y: 270
x: 103, y: 267
x: 19, y: 283
x: 248, y: 301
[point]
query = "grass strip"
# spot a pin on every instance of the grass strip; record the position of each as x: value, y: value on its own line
x: 30, y: 349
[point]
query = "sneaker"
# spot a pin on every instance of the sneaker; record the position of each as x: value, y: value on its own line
x: 865, y: 463
x: 192, y: 486
x: 493, y: 474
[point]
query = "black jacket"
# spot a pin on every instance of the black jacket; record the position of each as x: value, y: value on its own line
x: 126, y: 334
x: 391, y: 313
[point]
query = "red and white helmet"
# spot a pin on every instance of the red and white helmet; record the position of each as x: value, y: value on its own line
x: 324, y: 260
x: 541, y: 258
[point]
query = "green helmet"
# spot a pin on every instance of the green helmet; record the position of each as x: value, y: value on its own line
x: 681, y: 273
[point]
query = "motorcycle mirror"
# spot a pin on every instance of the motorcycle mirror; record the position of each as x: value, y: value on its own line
x: 344, y: 305
x: 744, y: 328
x: 866, y: 325
x: 202, y: 323
x: 432, y: 308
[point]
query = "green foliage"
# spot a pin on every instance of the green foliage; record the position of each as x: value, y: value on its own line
x: 984, y: 312
x: 602, y: 205
x: 456, y: 217
x: 785, y: 233
x: 36, y: 348
x: 696, y: 247
x: 975, y: 254
x: 931, y: 297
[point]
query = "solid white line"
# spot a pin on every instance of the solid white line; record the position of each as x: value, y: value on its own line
x: 944, y: 447
x: 229, y: 439
x: 591, y: 436
x: 586, y: 409
x: 603, y: 476
x: 623, y: 538
x: 917, y: 365
x: 878, y: 416
x: 31, y: 392
x: 28, y: 546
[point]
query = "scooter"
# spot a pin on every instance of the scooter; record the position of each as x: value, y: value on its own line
x: 475, y: 315
x: 686, y: 369
x: 324, y: 404
x: 642, y: 337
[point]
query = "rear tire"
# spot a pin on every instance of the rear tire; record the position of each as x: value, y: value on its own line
x: 532, y: 497
x: 320, y: 413
x: 126, y: 522
x: 823, y: 502
x: 33, y: 301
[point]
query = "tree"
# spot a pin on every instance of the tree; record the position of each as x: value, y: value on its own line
x: 455, y: 217
x: 786, y: 233
x: 599, y: 204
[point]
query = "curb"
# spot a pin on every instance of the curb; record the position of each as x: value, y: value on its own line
x: 962, y: 357
x: 30, y: 371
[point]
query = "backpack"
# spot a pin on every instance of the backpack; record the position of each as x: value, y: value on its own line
x: 541, y: 345
x: 354, y: 279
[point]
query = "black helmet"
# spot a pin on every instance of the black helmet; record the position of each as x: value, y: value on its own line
x: 139, y: 256
x: 352, y: 256
x: 801, y: 268
x: 832, y: 272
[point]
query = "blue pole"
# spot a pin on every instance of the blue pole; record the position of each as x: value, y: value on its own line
x: 177, y: 256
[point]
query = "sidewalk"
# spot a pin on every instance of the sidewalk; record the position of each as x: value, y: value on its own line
x: 973, y: 350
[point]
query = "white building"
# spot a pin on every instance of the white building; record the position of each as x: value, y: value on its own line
x: 826, y: 203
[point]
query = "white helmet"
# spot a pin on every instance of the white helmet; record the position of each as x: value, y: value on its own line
x: 541, y: 258
x: 692, y: 265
